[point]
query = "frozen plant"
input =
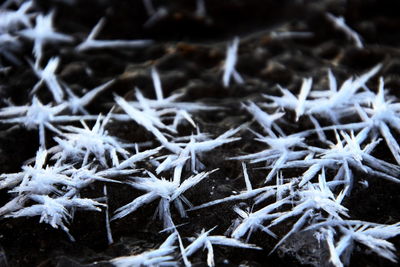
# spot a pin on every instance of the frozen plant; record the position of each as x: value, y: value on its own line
x: 166, y: 191
x: 158, y: 257
x: 91, y: 43
x: 206, y: 241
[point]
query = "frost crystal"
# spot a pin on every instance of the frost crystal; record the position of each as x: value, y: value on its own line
x: 230, y: 62
x: 54, y: 211
x: 80, y: 143
x: 38, y: 116
x: 90, y: 43
x: 43, y: 33
x: 11, y: 20
x: 78, y: 104
x: 47, y: 75
x: 341, y: 24
x: 206, y: 241
x: 158, y: 257
x: 47, y: 186
x: 166, y: 191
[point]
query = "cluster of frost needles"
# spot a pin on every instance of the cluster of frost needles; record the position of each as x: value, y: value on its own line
x: 76, y: 150
x: 318, y: 205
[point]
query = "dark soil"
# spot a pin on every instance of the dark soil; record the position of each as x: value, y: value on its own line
x: 189, y: 52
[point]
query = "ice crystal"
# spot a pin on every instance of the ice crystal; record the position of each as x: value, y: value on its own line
x: 280, y: 152
x: 167, y: 108
x: 341, y: 24
x: 47, y: 75
x: 230, y: 63
x: 333, y: 103
x: 38, y: 116
x: 267, y: 121
x: 80, y: 143
x: 41, y: 183
x: 11, y: 20
x: 43, y: 33
x: 91, y: 43
x: 380, y: 116
x: 343, y: 155
x: 166, y: 191
x: 8, y: 46
x: 78, y: 104
x: 342, y: 236
x: 158, y: 257
x: 206, y: 241
x: 54, y: 211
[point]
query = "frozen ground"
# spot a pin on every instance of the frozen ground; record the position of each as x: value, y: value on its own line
x: 154, y: 133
